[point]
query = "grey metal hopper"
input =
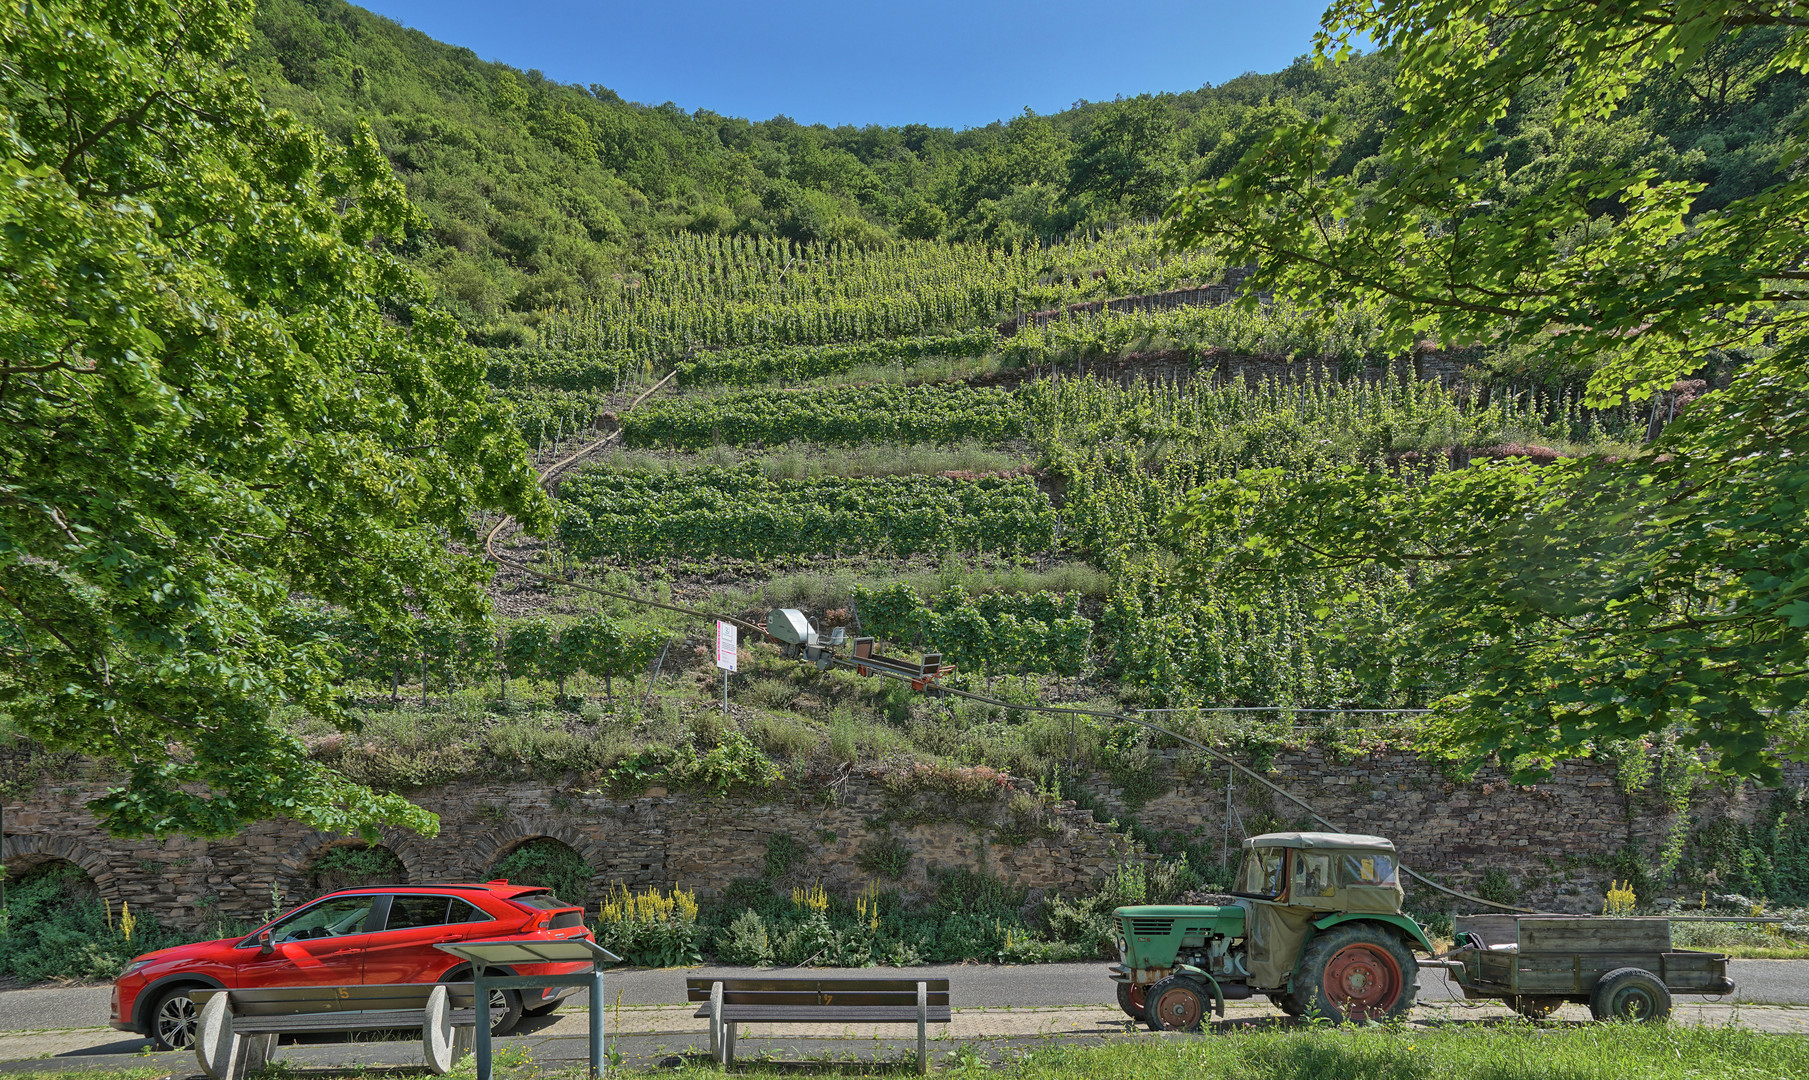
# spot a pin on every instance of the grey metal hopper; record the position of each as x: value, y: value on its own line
x: 791, y: 627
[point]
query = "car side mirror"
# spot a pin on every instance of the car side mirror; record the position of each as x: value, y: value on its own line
x: 265, y: 948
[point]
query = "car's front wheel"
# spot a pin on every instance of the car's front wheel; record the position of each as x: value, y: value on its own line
x: 173, y: 1018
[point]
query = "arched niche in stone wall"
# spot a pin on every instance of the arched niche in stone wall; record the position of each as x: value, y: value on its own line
x: 316, y: 864
x: 540, y: 859
x: 29, y: 856
x: 353, y: 864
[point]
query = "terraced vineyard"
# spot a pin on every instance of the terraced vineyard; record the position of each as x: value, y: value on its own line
x: 791, y: 363
x: 740, y: 513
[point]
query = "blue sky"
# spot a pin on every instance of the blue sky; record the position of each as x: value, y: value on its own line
x: 939, y: 62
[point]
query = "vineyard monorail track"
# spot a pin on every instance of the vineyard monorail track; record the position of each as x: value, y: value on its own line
x: 552, y: 473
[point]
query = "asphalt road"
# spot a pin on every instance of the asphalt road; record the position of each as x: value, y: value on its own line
x: 1766, y: 982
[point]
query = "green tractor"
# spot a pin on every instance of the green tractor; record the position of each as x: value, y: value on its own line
x: 1313, y: 921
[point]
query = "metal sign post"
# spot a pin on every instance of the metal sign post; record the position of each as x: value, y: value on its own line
x: 484, y: 955
x: 725, y: 656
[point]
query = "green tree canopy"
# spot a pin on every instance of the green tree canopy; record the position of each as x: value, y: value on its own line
x: 1126, y: 154
x: 221, y: 398
x: 1602, y: 597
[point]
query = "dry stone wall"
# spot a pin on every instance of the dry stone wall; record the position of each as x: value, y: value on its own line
x: 656, y: 838
x: 1555, y: 840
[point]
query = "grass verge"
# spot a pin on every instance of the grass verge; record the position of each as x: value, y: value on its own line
x: 1510, y: 1051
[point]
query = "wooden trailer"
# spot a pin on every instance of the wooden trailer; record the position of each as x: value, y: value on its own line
x: 1622, y: 968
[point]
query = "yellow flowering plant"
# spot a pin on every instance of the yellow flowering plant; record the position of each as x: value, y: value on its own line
x: 650, y: 928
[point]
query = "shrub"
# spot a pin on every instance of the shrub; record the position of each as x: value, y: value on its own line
x: 1086, y: 921
x: 782, y: 852
x: 1497, y: 886
x: 54, y: 926
x: 351, y: 865
x: 546, y: 862
x: 886, y: 856
x: 746, y: 942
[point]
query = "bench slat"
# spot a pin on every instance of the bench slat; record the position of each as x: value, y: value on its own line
x: 292, y: 1000
x: 699, y: 989
x: 805, y: 999
x: 705, y: 982
x: 346, y: 1021
x: 829, y: 1014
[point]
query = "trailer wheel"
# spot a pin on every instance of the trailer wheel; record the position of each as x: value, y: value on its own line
x: 1356, y: 971
x: 1176, y: 1004
x: 1535, y: 1008
x: 1130, y: 999
x: 1630, y: 993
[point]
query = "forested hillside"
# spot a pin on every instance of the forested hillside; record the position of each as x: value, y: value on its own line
x: 534, y: 193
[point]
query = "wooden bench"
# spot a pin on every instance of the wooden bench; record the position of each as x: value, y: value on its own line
x: 731, y: 1002
x: 237, y: 1030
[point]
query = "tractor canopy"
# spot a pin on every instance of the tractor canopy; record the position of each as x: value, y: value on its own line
x: 1321, y: 872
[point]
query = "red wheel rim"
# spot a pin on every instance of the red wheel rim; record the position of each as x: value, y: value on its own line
x: 1137, y: 997
x: 1178, y: 1009
x: 1362, y: 981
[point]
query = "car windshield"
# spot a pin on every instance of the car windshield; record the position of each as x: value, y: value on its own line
x: 335, y: 916
x: 1261, y: 875
x: 540, y: 901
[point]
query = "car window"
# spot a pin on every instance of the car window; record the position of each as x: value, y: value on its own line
x: 540, y: 901
x: 463, y: 912
x: 335, y: 916
x: 409, y: 912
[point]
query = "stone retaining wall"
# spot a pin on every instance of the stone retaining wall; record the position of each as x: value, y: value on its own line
x: 659, y: 838
x: 1555, y: 840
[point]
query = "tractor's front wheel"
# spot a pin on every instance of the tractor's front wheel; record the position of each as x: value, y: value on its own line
x: 1176, y: 1004
x: 1356, y: 971
x: 1130, y: 999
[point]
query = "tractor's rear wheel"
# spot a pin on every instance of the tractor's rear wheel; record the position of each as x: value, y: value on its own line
x: 1176, y: 1004
x: 1357, y: 971
x: 1130, y: 999
x: 1285, y: 1002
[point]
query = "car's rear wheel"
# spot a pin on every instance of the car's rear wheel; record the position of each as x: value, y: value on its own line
x: 173, y: 1019
x: 505, y: 1005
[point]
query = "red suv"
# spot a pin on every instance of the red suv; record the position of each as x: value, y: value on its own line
x: 378, y: 935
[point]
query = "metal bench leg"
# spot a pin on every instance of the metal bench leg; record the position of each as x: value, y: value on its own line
x: 923, y: 1029
x: 596, y: 1022
x: 716, y: 1036
x: 482, y: 1031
